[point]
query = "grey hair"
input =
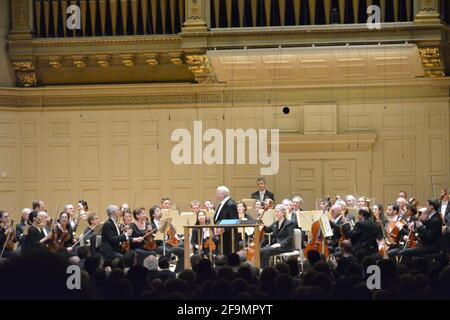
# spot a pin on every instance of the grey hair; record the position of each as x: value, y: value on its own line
x: 223, y: 190
x: 299, y: 199
x: 285, y: 200
x: 67, y: 205
x: 195, y: 203
x: 111, y: 209
x: 280, y: 207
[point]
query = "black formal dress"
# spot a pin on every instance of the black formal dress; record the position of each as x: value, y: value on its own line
x: 227, y: 211
x: 32, y: 240
x: 280, y: 234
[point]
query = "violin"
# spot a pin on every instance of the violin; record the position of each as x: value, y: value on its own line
x: 57, y: 241
x: 209, y: 245
x: 149, y: 240
x: 125, y: 245
x: 173, y: 241
x: 9, y: 243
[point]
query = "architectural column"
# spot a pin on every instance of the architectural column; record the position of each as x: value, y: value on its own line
x: 21, y: 20
x: 196, y: 16
x: 428, y: 11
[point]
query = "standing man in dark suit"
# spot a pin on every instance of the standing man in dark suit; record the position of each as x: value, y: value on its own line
x: 262, y: 194
x: 111, y: 235
x: 226, y: 209
x: 282, y: 236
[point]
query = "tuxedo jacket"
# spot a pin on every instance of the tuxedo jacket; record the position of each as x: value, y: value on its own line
x: 430, y: 233
x: 283, y: 235
x: 111, y: 239
x: 267, y: 194
x: 364, y: 235
x: 228, y: 211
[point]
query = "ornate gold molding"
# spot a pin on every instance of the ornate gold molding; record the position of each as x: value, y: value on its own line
x: 127, y: 60
x: 221, y: 95
x: 152, y: 59
x: 176, y: 58
x: 55, y: 62
x: 431, y: 61
x: 200, y: 67
x: 103, y: 61
x: 79, y: 61
x: 25, y: 72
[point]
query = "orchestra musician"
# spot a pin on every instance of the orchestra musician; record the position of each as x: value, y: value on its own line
x: 297, y: 204
x: 155, y: 221
x: 83, y: 209
x: 365, y: 233
x: 112, y: 237
x: 243, y: 215
x: 209, y: 206
x: 62, y: 234
x: 337, y: 223
x: 290, y: 215
x: 73, y: 221
x: 38, y: 205
x: 206, y: 234
x: 282, y: 234
x: 262, y: 193
x: 259, y: 205
x: 404, y: 231
x: 89, y: 235
x: 165, y: 203
x: 21, y: 226
x: 226, y: 210
x: 141, y: 227
x: 428, y: 229
x: 36, y: 238
x: 7, y: 236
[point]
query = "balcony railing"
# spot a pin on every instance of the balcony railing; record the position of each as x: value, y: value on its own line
x: 109, y: 17
x: 266, y: 13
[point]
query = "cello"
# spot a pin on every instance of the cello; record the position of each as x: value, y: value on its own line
x: 251, y: 247
x: 318, y: 242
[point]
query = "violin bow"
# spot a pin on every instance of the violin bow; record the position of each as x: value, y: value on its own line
x: 432, y: 184
x: 84, y: 235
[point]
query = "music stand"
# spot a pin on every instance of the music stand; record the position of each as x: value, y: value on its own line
x: 163, y: 226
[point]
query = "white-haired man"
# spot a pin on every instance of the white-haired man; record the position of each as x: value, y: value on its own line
x: 111, y: 235
x: 226, y: 210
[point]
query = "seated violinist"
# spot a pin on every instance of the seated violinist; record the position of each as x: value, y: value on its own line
x: 89, y: 237
x: 428, y: 230
x: 282, y: 236
x: 7, y: 236
x: 203, y: 240
x: 155, y: 221
x: 143, y: 237
x: 112, y: 237
x: 242, y: 214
